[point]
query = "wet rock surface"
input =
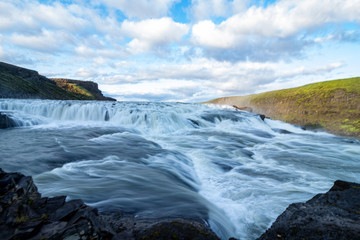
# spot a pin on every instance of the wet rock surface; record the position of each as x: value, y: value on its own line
x: 333, y: 215
x: 24, y: 214
x: 6, y: 121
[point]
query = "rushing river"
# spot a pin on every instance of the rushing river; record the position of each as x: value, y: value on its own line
x: 226, y: 166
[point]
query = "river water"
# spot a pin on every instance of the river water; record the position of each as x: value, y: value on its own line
x: 154, y: 160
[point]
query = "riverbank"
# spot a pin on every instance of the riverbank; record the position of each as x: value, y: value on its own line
x: 333, y: 106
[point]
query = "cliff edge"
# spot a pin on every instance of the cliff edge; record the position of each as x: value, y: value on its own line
x: 18, y: 82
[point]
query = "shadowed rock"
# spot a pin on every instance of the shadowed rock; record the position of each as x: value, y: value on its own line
x: 334, y: 215
x: 6, y: 121
x: 24, y: 214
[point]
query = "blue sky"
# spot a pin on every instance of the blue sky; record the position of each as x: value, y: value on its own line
x: 190, y: 50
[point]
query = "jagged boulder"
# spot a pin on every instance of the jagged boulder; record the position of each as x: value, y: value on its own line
x: 24, y: 214
x: 334, y: 215
x: 6, y: 121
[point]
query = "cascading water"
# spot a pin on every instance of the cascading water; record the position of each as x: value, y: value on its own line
x: 171, y: 159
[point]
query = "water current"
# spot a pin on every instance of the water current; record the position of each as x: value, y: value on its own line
x: 228, y: 167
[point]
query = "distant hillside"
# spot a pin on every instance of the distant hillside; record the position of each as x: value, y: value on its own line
x: 17, y: 82
x: 331, y: 105
x: 84, y: 88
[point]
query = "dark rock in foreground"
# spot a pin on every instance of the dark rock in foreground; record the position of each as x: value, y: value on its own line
x: 6, y: 121
x: 24, y: 214
x: 333, y: 215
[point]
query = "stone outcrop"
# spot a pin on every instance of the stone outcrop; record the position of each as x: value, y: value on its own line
x: 334, y: 215
x: 24, y: 214
x: 6, y: 121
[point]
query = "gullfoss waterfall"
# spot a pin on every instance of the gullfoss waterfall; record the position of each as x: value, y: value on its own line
x: 154, y: 160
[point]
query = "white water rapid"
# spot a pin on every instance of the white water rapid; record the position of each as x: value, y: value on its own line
x: 225, y: 166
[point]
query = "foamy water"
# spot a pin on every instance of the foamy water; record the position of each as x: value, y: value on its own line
x: 225, y: 166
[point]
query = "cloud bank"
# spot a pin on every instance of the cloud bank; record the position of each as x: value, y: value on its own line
x: 172, y: 50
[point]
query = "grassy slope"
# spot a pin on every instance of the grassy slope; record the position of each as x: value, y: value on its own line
x: 14, y: 86
x: 333, y: 105
x: 17, y: 82
x: 73, y: 88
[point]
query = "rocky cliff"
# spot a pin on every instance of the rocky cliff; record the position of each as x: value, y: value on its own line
x: 332, y: 105
x: 18, y: 82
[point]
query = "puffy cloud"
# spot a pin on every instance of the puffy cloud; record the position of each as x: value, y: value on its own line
x: 279, y: 29
x: 31, y: 17
x: 142, y: 8
x: 84, y: 73
x: 207, y: 34
x: 46, y: 41
x: 254, y: 48
x: 204, y: 79
x: 147, y: 34
x: 91, y: 52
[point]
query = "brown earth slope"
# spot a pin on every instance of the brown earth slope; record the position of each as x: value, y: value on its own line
x: 331, y: 105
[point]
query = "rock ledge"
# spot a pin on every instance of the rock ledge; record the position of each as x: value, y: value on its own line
x: 334, y: 215
x: 24, y: 214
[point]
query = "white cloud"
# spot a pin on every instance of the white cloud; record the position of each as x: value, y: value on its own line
x: 205, y: 9
x: 142, y: 8
x: 91, y: 52
x: 159, y: 87
x: 204, y: 79
x: 281, y: 20
x: 13, y: 17
x: 150, y: 33
x: 253, y: 49
x: 207, y: 34
x: 31, y: 17
x: 84, y: 73
x: 59, y: 17
x: 46, y: 41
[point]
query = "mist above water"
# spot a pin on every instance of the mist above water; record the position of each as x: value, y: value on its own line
x: 154, y: 160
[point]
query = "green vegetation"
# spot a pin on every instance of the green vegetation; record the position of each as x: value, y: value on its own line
x: 74, y: 88
x: 17, y: 82
x: 12, y: 86
x: 332, y: 105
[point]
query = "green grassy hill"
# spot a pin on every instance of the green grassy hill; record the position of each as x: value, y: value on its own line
x: 17, y: 82
x: 331, y: 105
x: 84, y: 88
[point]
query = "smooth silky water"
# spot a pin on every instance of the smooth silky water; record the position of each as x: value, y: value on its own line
x: 155, y: 160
